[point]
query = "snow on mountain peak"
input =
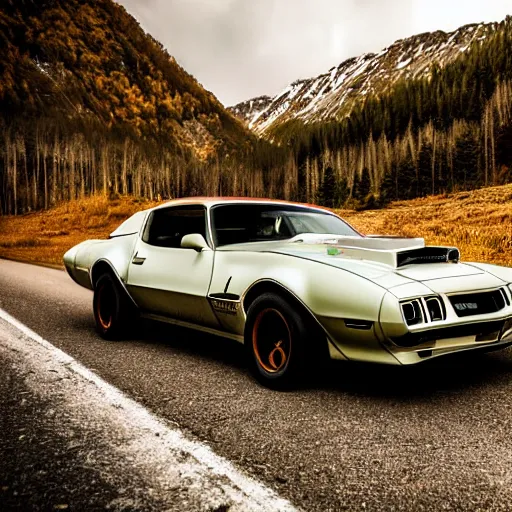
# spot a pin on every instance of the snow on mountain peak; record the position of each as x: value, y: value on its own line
x: 332, y: 95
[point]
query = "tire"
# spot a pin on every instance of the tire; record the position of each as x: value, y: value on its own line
x: 113, y: 312
x: 276, y: 342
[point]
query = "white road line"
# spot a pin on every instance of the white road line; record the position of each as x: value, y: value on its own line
x: 162, y: 455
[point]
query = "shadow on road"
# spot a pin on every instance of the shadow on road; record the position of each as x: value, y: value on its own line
x: 194, y: 343
x: 455, y: 373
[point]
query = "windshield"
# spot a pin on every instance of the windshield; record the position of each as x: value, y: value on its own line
x: 242, y: 223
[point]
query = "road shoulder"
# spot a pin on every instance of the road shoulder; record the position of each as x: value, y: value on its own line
x: 76, y: 441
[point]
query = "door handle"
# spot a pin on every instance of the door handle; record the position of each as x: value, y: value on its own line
x: 138, y: 260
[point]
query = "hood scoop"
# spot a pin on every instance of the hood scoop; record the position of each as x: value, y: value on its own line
x: 395, y: 252
x: 428, y: 255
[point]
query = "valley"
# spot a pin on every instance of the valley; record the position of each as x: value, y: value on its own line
x: 479, y: 223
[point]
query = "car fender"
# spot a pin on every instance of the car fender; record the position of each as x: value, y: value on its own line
x: 83, y: 261
x: 332, y: 295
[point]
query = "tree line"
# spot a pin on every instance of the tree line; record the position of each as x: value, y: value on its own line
x: 47, y: 164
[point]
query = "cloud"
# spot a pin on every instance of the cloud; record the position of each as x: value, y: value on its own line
x: 239, y: 49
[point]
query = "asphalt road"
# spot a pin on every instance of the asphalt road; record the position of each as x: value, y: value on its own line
x: 431, y: 437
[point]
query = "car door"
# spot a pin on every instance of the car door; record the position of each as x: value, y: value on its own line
x: 165, y: 278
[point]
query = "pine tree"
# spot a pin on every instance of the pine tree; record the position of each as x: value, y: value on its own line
x: 363, y: 186
x: 389, y: 188
x: 327, y: 190
x: 465, y: 162
x: 407, y: 180
x: 425, y: 185
x: 341, y: 193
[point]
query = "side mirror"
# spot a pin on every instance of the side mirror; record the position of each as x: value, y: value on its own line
x: 194, y: 241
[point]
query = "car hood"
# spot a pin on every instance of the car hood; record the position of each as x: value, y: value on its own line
x: 379, y: 259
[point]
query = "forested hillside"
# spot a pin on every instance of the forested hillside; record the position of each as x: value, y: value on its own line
x: 89, y: 102
x: 430, y: 114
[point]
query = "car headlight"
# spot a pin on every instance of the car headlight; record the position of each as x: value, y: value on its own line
x: 412, y: 311
x: 435, y: 309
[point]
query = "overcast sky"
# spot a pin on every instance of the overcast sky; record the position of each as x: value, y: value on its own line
x: 239, y: 49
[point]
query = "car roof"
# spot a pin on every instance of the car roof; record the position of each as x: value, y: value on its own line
x: 215, y: 201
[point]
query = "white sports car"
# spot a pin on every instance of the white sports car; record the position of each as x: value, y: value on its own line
x: 293, y: 283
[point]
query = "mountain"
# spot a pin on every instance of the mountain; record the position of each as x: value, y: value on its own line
x: 92, y: 60
x: 91, y: 103
x: 332, y: 95
x: 430, y: 114
x: 251, y: 109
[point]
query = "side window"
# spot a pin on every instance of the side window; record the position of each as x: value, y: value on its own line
x: 167, y: 226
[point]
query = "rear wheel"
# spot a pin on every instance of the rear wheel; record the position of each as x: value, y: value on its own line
x: 113, y: 312
x: 275, y: 340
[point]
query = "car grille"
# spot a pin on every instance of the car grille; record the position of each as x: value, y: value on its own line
x: 484, y: 331
x: 471, y: 304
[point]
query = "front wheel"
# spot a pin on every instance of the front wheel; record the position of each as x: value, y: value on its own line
x: 275, y: 339
x: 112, y: 311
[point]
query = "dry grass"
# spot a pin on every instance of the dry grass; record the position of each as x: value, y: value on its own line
x: 479, y: 223
x: 45, y: 236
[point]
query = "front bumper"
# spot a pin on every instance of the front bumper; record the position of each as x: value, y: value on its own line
x: 419, y: 346
x: 431, y: 337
